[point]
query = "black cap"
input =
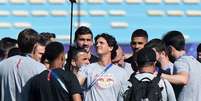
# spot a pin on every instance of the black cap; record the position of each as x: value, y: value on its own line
x: 145, y: 56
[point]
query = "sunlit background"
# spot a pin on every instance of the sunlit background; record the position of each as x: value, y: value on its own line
x: 116, y: 17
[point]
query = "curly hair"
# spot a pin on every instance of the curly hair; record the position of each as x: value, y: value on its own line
x: 111, y: 41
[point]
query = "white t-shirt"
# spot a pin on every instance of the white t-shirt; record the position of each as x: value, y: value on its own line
x: 108, y: 87
x: 127, y: 67
x: 192, y: 90
x: 14, y: 75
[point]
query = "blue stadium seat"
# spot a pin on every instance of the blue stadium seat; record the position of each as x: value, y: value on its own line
x: 111, y: 16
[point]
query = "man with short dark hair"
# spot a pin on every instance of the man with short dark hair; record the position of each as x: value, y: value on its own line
x: 164, y: 65
x: 188, y: 68
x: 39, y: 49
x: 146, y: 60
x: 104, y: 81
x: 6, y: 44
x: 84, y: 39
x: 138, y: 40
x: 77, y: 57
x: 48, y: 36
x: 16, y: 71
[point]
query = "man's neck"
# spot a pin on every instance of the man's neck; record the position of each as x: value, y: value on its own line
x: 165, y: 62
x: 148, y: 69
x: 105, y: 60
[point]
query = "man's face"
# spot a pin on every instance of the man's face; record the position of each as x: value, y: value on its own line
x: 81, y: 59
x: 38, y: 52
x: 138, y: 43
x: 102, y: 46
x: 85, y: 41
x: 119, y: 59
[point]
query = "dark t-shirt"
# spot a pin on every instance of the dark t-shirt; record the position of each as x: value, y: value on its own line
x: 93, y: 59
x: 47, y: 88
x: 129, y: 60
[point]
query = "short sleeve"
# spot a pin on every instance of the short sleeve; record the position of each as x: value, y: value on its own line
x: 182, y: 65
x: 170, y: 91
x: 74, y: 85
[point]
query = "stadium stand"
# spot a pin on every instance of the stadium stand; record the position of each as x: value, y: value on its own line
x: 118, y: 17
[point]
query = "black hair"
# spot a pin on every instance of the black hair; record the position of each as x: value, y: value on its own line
x: 73, y: 51
x: 72, y: 54
x: 14, y: 51
x: 10, y: 40
x: 2, y: 55
x: 111, y: 41
x: 159, y: 45
x: 198, y: 52
x: 47, y: 35
x: 175, y: 39
x: 146, y: 57
x: 82, y: 30
x: 52, y: 51
x: 43, y: 41
x: 53, y: 35
x: 27, y: 38
x: 199, y: 48
x: 6, y: 44
x: 139, y: 33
